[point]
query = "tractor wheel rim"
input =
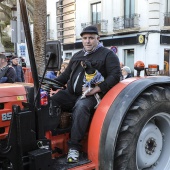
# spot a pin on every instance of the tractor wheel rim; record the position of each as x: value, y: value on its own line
x: 153, y: 144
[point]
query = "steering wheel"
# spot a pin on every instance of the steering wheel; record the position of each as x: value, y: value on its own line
x: 48, y: 84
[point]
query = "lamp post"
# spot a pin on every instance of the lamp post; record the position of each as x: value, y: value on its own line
x: 14, y: 27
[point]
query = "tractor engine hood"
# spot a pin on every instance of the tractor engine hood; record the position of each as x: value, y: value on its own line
x: 12, y: 91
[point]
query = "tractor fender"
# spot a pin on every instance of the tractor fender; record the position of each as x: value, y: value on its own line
x: 109, y: 116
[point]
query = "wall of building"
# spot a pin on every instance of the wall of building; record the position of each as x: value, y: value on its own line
x: 82, y: 15
x: 51, y: 11
x: 150, y: 20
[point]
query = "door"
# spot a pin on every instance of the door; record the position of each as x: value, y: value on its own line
x: 166, y: 61
x: 129, y: 59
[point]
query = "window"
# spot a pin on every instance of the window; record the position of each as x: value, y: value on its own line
x: 129, y: 7
x: 129, y: 59
x: 68, y: 56
x: 96, y: 13
x: 129, y: 11
x: 168, y: 6
x: 48, y: 21
x: 167, y: 14
x: 166, y: 62
x: 48, y: 26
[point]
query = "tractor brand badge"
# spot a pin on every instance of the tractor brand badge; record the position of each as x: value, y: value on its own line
x: 6, y: 116
x: 20, y: 97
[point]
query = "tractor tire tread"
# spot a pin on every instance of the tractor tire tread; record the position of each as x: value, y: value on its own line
x: 124, y: 151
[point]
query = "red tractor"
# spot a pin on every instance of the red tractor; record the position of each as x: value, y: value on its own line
x: 130, y: 129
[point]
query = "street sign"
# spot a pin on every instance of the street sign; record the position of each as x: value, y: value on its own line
x: 114, y: 49
x: 22, y: 50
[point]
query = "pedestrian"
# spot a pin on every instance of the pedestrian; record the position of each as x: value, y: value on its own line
x: 126, y: 72
x: 55, y: 74
x: 18, y: 69
x: 107, y: 64
x: 121, y: 65
x: 7, y: 72
x: 63, y: 67
x: 51, y: 74
x: 22, y: 62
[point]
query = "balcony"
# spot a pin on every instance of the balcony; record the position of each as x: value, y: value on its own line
x: 60, y: 26
x: 59, y: 11
x: 50, y: 34
x: 167, y: 19
x: 101, y: 26
x: 126, y: 22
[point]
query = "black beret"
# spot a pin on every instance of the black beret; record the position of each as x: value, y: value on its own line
x: 90, y: 29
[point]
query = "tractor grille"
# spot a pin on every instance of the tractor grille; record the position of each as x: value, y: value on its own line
x: 1, y: 105
x: 2, y: 130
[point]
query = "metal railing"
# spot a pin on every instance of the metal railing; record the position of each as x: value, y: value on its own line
x: 123, y: 22
x: 100, y: 24
x: 167, y: 19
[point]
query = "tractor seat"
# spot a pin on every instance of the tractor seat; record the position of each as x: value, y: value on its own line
x: 64, y: 125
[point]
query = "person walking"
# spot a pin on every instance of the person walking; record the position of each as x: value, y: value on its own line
x: 18, y: 69
x: 7, y: 72
x: 107, y: 64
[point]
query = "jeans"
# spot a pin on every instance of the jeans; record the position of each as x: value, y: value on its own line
x: 82, y: 111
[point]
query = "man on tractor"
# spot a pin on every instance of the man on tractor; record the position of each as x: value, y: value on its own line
x: 107, y: 64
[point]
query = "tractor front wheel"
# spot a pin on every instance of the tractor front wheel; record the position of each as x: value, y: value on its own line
x: 144, y: 139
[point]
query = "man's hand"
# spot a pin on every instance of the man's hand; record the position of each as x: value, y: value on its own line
x: 92, y: 91
x: 84, y: 89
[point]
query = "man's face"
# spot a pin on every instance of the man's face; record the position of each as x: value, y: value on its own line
x: 124, y: 73
x: 90, y: 41
x: 62, y: 69
x: 15, y: 61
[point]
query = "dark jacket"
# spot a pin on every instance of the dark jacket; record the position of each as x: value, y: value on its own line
x: 129, y: 75
x: 19, y: 73
x: 7, y: 74
x: 104, y: 60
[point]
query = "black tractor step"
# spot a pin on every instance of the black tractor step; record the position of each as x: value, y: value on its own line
x: 61, y: 163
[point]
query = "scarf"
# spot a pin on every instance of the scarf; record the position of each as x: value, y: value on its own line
x: 95, y: 49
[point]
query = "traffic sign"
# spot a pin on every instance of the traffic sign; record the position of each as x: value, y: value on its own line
x: 114, y: 49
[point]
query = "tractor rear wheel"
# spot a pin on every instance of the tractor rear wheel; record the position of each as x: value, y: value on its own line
x: 143, y: 141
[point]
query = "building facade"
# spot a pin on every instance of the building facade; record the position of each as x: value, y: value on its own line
x: 133, y: 29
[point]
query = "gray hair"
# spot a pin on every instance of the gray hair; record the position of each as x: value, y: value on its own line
x: 127, y: 69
